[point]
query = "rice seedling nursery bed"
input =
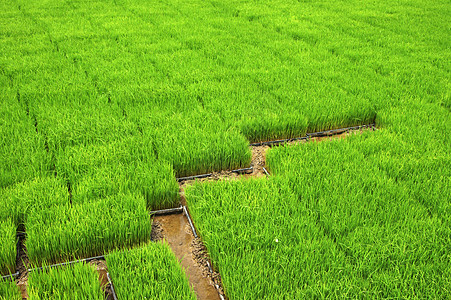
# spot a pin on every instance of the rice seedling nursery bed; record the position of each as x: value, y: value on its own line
x: 109, y: 108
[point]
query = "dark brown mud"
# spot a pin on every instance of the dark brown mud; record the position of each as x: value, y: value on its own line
x: 22, y: 268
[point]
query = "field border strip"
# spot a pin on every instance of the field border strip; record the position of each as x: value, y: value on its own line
x: 339, y: 130
x: 216, y: 286
x: 313, y: 134
x: 194, y: 177
x: 63, y: 264
x: 278, y: 142
x: 185, y: 210
x: 266, y: 172
x: 243, y: 170
x: 167, y: 211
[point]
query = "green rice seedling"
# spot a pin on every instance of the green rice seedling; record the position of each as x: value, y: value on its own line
x: 9, y: 291
x: 274, y: 126
x: 77, y: 281
x: 156, y: 182
x: 196, y: 144
x: 82, y: 121
x: 257, y: 229
x: 363, y: 192
x: 66, y: 232
x: 22, y: 152
x: 8, y: 244
x: 76, y: 161
x: 149, y: 272
x: 40, y: 193
x: 128, y: 165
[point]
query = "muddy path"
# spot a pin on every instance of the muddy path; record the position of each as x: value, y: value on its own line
x: 176, y: 231
x: 22, y: 267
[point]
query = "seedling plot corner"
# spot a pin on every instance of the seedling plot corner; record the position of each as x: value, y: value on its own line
x: 168, y: 211
x: 74, y: 262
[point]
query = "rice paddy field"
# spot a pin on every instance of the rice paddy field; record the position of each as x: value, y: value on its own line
x: 105, y: 103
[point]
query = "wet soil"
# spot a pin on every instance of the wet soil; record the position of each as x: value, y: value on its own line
x: 177, y: 233
x: 157, y: 231
x: 202, y: 258
x: 258, y: 161
x: 22, y: 267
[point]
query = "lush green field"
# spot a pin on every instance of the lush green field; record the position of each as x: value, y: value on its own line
x: 104, y: 103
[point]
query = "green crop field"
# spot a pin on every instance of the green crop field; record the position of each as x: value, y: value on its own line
x: 105, y: 103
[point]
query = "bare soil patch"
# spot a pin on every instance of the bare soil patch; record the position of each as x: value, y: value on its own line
x: 258, y: 161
